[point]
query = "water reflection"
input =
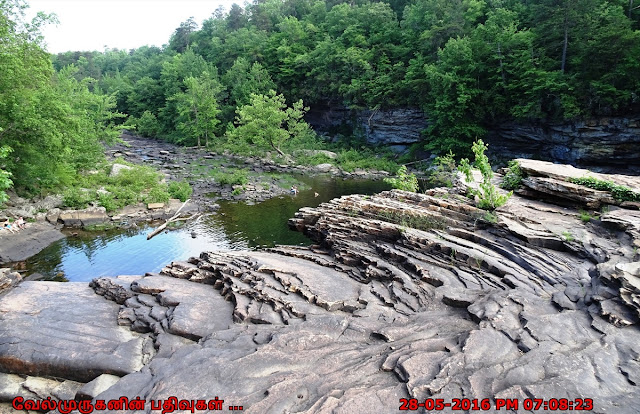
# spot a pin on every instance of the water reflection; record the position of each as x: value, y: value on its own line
x: 85, y: 255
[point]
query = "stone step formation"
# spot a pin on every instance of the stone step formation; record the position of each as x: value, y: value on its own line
x: 403, y: 296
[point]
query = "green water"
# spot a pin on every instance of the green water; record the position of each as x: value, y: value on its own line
x: 236, y: 226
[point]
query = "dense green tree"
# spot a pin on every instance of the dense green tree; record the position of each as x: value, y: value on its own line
x: 181, y: 38
x: 198, y: 108
x: 268, y: 123
x: 51, y: 123
x: 468, y: 63
x: 5, y: 176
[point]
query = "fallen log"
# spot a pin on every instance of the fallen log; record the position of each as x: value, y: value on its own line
x: 172, y: 219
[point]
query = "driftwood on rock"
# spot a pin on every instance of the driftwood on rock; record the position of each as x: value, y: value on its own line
x: 175, y: 217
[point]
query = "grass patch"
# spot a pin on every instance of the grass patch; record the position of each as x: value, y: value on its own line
x: 180, y: 190
x: 585, y: 216
x: 568, y: 236
x: 365, y: 159
x: 130, y: 186
x: 235, y: 177
x: 412, y: 221
x: 619, y: 192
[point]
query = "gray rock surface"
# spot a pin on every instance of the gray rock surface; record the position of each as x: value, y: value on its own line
x: 86, y: 217
x: 403, y: 295
x: 74, y: 338
x: 398, y: 126
x: 27, y: 242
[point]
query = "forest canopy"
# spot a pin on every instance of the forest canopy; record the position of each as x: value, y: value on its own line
x: 467, y: 63
x: 51, y: 124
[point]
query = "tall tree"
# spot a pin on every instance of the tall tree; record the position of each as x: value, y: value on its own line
x: 198, y: 107
x: 268, y: 123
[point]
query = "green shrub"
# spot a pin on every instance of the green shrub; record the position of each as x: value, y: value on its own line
x: 513, y: 178
x: 180, y: 190
x: 158, y: 194
x: 108, y: 202
x: 403, y: 181
x: 124, y: 195
x: 237, y: 177
x: 489, y: 198
x: 351, y: 159
x: 76, y: 198
x: 148, y: 125
x: 444, y: 171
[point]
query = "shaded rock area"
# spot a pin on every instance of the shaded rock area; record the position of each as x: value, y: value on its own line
x: 604, y: 143
x: 397, y: 127
x: 403, y: 295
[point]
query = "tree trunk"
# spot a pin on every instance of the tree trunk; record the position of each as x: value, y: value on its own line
x: 504, y: 78
x: 277, y: 149
x: 565, y: 44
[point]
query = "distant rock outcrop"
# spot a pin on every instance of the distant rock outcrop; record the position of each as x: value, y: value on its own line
x: 403, y: 296
x: 604, y: 142
x: 393, y: 127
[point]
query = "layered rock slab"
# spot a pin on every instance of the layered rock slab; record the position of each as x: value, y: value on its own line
x: 403, y: 296
x: 65, y: 330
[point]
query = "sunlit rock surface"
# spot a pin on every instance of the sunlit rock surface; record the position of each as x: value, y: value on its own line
x: 403, y: 296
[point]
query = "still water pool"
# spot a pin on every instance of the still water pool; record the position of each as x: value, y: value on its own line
x: 236, y: 226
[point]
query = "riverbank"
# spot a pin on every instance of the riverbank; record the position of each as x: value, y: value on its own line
x: 403, y: 296
x: 213, y: 177
x: 224, y: 176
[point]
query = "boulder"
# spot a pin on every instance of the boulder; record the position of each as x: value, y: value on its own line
x: 324, y: 168
x: 116, y: 168
x: 86, y: 217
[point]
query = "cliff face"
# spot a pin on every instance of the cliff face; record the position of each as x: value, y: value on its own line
x: 404, y: 296
x: 605, y: 142
x: 612, y: 143
x: 397, y: 127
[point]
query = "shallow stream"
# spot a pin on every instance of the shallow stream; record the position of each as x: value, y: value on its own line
x: 236, y: 226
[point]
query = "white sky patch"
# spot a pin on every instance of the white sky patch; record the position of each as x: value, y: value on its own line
x: 88, y: 25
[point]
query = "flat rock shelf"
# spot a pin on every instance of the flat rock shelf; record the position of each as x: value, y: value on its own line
x: 402, y: 296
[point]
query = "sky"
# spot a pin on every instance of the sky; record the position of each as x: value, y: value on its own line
x: 122, y: 24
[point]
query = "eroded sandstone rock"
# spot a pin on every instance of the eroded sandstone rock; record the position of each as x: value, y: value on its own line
x: 403, y: 295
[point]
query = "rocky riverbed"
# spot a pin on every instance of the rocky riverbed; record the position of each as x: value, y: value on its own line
x: 403, y: 296
x: 265, y: 179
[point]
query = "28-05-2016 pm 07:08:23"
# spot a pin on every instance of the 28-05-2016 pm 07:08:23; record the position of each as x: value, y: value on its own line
x: 468, y: 404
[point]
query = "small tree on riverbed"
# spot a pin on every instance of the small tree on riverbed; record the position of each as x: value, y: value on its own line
x: 198, y: 107
x: 267, y: 122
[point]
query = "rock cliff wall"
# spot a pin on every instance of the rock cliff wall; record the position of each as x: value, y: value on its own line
x: 604, y: 142
x: 395, y: 127
x: 608, y: 143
